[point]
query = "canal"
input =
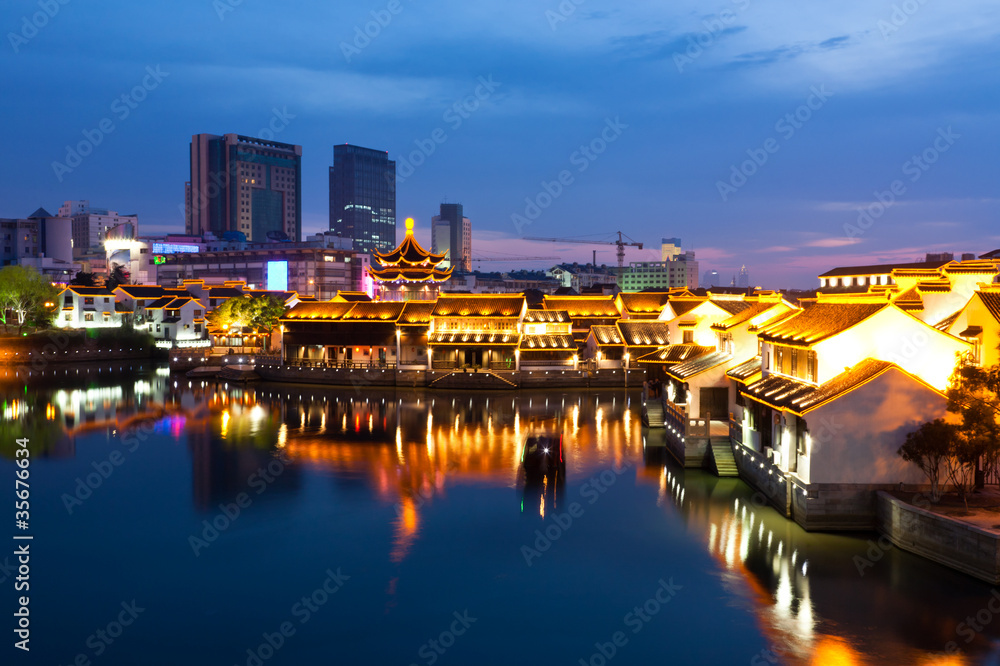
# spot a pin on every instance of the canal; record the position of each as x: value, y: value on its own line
x: 180, y: 522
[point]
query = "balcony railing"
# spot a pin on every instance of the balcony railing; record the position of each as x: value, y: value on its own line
x: 343, y: 365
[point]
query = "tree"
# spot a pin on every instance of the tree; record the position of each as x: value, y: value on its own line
x: 929, y: 447
x: 259, y: 313
x: 974, y: 395
x: 84, y: 279
x: 24, y: 290
x: 119, y: 275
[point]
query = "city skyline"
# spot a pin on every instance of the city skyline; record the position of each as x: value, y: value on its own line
x: 737, y: 130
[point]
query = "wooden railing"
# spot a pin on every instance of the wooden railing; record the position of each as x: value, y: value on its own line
x: 349, y: 365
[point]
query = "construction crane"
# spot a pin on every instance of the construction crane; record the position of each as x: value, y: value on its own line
x: 620, y: 243
x: 515, y: 258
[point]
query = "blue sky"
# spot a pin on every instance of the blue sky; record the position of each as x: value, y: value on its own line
x: 820, y: 108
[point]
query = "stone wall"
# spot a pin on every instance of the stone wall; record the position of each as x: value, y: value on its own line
x: 949, y: 542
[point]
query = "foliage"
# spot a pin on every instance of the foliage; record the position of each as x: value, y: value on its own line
x: 84, y: 279
x: 974, y: 398
x: 929, y: 447
x: 259, y: 313
x: 25, y: 291
x: 119, y: 275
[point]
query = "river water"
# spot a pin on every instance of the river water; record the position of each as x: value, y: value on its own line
x: 180, y: 522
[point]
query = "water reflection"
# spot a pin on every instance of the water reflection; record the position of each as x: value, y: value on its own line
x: 403, y: 452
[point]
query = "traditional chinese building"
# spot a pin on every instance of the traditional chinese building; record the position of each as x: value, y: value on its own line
x: 409, y: 272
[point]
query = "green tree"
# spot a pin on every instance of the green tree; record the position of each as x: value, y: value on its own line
x: 929, y: 448
x: 84, y: 279
x: 259, y: 313
x: 25, y: 291
x: 974, y: 395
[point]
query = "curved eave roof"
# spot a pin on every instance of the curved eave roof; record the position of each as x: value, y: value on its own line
x: 409, y: 253
x: 394, y: 274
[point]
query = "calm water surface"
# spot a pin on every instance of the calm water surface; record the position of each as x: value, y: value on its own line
x: 395, y: 527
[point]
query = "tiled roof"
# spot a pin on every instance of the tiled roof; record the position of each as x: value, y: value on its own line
x: 351, y: 296
x: 818, y: 322
x: 415, y: 274
x: 142, y: 290
x: 732, y: 307
x: 698, y: 364
x: 745, y: 314
x: 946, y: 323
x: 675, y: 353
x: 546, y: 342
x: 324, y: 310
x: 991, y: 300
x: 409, y: 253
x: 224, y: 292
x: 681, y: 306
x: 607, y: 335
x: 479, y: 305
x: 160, y: 303
x: 546, y: 317
x: 89, y: 291
x: 936, y: 285
x: 510, y: 339
x: 909, y: 300
x: 972, y: 267
x: 640, y: 333
x: 416, y: 313
x: 745, y: 370
x: 880, y: 269
x: 374, y: 311
x: 178, y: 302
x: 583, y: 306
x: 787, y: 393
x: 644, y: 302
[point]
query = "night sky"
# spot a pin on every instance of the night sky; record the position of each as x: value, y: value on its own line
x: 754, y: 131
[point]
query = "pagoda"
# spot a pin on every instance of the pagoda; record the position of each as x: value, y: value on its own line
x: 409, y: 272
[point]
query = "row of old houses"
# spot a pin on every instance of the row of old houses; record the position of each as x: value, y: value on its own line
x: 814, y: 397
x: 174, y: 316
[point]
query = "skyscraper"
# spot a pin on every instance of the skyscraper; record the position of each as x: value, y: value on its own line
x: 363, y: 197
x: 451, y: 231
x: 744, y: 278
x: 239, y: 183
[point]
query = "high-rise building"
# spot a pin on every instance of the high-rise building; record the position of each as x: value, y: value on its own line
x: 712, y: 279
x: 679, y: 272
x: 744, y: 278
x: 41, y: 240
x: 451, y: 232
x: 363, y: 197
x: 90, y: 226
x: 243, y: 184
x: 670, y: 248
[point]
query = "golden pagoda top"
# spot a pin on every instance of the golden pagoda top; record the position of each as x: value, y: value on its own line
x: 409, y: 262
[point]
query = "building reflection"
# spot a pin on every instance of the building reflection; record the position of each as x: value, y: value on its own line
x: 803, y: 586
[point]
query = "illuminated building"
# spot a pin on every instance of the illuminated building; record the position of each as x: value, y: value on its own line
x: 584, y: 312
x: 547, y: 340
x: 476, y: 331
x: 409, y: 271
x: 363, y: 197
x: 245, y: 184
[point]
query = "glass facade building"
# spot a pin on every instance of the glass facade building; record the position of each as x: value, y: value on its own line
x: 244, y: 184
x: 363, y: 197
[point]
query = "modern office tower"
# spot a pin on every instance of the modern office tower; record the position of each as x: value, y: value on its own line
x: 90, y: 226
x: 744, y: 278
x: 243, y: 184
x: 712, y: 279
x: 670, y: 248
x: 451, y: 231
x: 363, y: 197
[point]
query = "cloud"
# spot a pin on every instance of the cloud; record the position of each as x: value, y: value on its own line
x: 833, y: 242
